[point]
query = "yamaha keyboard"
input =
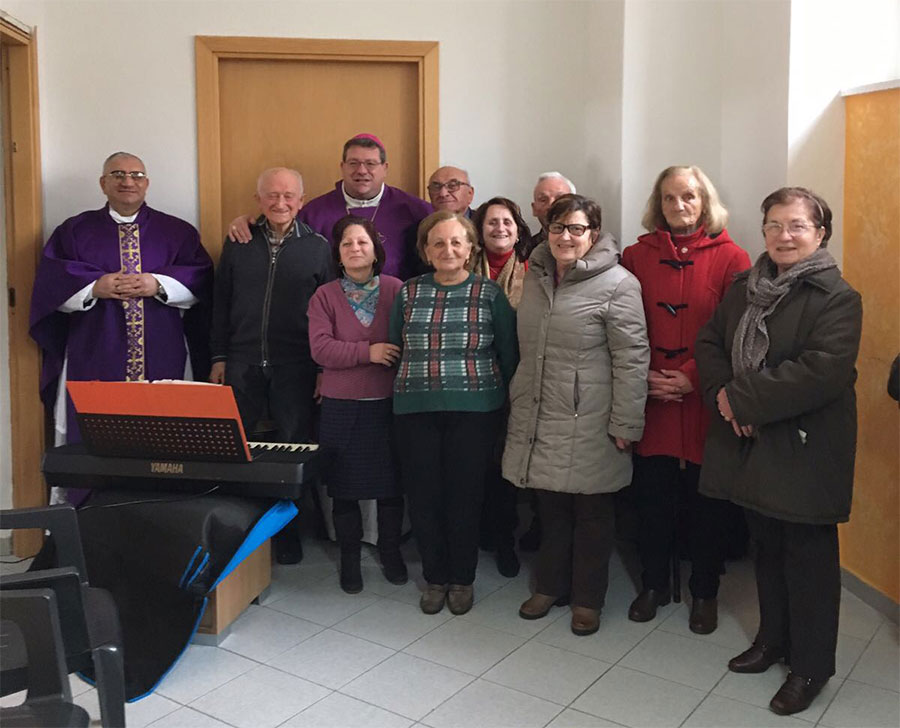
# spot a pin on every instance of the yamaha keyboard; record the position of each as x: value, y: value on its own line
x: 278, y: 470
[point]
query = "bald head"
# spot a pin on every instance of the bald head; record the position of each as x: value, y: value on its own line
x: 110, y: 162
x: 449, y: 189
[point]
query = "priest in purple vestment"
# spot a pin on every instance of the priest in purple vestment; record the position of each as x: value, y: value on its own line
x: 362, y: 192
x: 111, y: 290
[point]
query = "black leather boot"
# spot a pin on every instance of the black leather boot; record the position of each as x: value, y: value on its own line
x: 390, y: 526
x: 348, y: 529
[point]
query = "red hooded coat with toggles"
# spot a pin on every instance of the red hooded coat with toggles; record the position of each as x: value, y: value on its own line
x: 683, y: 278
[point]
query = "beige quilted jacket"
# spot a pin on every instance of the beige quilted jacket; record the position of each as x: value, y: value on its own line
x: 582, y: 375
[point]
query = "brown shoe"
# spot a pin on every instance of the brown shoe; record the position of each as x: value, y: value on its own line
x: 704, y: 616
x: 539, y: 605
x: 432, y: 600
x: 796, y: 694
x: 758, y: 658
x: 585, y: 620
x: 460, y: 598
x: 644, y: 607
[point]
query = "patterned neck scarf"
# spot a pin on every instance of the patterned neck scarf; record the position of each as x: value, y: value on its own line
x: 363, y: 298
x: 510, y: 278
x: 765, y: 289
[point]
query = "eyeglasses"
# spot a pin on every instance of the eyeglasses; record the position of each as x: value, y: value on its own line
x: 774, y: 229
x: 120, y: 174
x: 575, y: 230
x: 452, y: 186
x: 369, y: 164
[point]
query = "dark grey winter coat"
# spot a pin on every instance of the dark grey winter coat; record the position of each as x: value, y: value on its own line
x: 799, y: 465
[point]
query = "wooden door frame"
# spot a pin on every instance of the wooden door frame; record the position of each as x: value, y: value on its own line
x: 24, y: 242
x: 209, y: 50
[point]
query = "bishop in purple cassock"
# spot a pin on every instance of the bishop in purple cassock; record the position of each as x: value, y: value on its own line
x: 111, y: 291
x: 363, y: 192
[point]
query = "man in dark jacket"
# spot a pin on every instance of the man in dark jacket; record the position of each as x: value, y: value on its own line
x: 260, y: 338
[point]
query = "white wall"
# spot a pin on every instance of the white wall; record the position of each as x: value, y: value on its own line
x: 706, y: 84
x: 508, y: 74
x: 754, y: 108
x: 835, y: 45
x: 672, y: 96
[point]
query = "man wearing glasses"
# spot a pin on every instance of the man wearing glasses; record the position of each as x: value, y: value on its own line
x: 362, y: 192
x: 449, y: 189
x: 111, y: 290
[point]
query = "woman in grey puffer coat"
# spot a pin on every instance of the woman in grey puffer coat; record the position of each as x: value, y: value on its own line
x: 577, y: 403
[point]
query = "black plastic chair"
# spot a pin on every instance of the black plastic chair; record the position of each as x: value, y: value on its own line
x: 88, y: 616
x: 32, y: 646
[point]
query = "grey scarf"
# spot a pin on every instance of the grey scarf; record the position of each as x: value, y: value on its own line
x: 765, y: 290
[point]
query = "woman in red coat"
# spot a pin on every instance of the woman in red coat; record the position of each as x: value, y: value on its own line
x: 685, y: 264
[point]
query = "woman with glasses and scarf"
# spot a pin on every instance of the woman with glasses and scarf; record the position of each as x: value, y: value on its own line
x: 777, y: 363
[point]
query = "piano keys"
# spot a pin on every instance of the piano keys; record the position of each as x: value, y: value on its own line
x: 277, y: 470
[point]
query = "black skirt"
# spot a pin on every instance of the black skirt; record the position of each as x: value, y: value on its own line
x: 356, y: 449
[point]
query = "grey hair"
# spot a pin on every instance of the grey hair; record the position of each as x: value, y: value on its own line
x: 557, y: 175
x: 464, y: 171
x: 275, y: 170
x: 116, y: 155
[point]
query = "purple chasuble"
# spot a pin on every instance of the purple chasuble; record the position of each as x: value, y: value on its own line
x: 396, y: 217
x: 112, y: 341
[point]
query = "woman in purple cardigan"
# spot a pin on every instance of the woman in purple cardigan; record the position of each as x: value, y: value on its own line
x: 348, y: 332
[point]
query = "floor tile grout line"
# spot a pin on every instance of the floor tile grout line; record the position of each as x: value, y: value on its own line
x: 391, y: 647
x: 864, y: 649
x: 539, y: 697
x: 455, y: 692
x: 703, y: 700
x: 343, y: 685
x: 870, y: 685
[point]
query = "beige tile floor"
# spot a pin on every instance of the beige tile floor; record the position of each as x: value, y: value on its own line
x: 311, y: 656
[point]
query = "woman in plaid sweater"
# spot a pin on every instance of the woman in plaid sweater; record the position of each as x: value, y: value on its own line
x: 457, y: 333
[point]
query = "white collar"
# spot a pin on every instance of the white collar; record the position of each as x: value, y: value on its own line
x: 353, y: 202
x: 122, y: 218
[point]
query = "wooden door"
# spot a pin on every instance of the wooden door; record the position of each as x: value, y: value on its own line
x: 264, y: 102
x: 24, y: 241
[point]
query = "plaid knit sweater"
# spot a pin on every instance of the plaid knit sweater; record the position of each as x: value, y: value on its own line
x: 459, y: 345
